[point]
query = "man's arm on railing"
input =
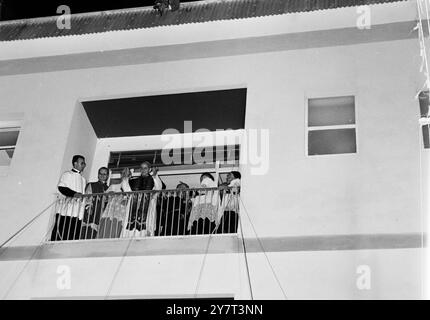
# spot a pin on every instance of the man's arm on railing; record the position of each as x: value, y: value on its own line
x: 67, y: 192
x: 65, y: 181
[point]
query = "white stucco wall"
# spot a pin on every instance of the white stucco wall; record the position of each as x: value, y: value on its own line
x: 376, y: 190
x: 145, y: 277
x: 394, y: 274
x: 373, y: 191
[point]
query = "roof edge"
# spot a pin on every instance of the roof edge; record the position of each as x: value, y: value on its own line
x: 102, y: 13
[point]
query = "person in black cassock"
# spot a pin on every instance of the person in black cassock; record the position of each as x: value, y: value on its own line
x: 92, y: 214
x: 140, y: 202
x: 174, y: 212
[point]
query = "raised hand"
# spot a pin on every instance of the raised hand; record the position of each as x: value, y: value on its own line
x: 126, y: 173
x: 154, y: 171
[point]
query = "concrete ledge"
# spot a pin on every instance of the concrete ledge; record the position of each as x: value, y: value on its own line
x: 210, y: 49
x: 217, y: 244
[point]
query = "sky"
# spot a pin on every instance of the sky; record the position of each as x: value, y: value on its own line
x: 20, y: 9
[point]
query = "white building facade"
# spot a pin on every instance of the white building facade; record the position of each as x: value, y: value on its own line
x: 337, y: 226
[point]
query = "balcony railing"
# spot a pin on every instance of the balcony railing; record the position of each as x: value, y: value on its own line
x: 160, y: 213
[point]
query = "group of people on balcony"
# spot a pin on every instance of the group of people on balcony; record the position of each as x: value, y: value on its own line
x: 117, y: 211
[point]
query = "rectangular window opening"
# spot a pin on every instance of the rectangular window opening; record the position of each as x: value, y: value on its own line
x: 8, y: 140
x: 426, y: 136
x: 181, y: 164
x: 331, y: 127
x: 424, y: 103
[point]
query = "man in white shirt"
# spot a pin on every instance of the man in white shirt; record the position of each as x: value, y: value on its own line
x: 70, y: 206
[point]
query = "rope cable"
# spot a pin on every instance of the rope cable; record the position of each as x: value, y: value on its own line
x: 264, y: 252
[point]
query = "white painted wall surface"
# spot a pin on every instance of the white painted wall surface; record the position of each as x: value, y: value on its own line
x: 373, y: 191
x: 148, y: 276
x: 394, y: 274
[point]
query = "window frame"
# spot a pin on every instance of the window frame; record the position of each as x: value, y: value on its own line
x: 105, y: 146
x: 12, y: 125
x: 423, y: 112
x: 328, y: 95
x: 214, y: 168
x: 422, y: 144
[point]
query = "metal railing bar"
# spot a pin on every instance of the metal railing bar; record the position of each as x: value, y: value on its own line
x: 155, y: 191
x: 75, y: 217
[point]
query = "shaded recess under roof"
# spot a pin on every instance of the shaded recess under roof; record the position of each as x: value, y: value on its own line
x: 152, y: 115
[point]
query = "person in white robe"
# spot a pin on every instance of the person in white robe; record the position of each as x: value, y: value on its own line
x: 228, y: 213
x: 205, y: 205
x: 114, y: 217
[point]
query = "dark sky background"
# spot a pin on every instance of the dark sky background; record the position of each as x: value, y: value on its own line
x: 20, y: 9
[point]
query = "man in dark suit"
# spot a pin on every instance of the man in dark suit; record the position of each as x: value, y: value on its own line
x: 174, y: 212
x: 140, y: 201
x: 93, y: 211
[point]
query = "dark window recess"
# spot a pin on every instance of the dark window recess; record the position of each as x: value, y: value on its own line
x: 157, y: 115
x: 424, y: 111
x: 6, y: 156
x: 332, y: 141
x: 424, y: 103
x: 175, y: 157
x: 8, y: 137
x: 426, y: 136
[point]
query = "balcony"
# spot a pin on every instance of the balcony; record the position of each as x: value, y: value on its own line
x: 140, y: 214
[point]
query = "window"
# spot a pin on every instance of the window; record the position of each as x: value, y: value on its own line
x: 188, y: 163
x: 426, y: 136
x: 180, y: 157
x: 331, y: 127
x: 8, y: 138
x: 424, y: 111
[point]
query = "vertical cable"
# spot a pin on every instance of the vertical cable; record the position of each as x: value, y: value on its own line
x: 118, y: 268
x: 246, y: 261
x: 262, y: 248
x: 202, y: 267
